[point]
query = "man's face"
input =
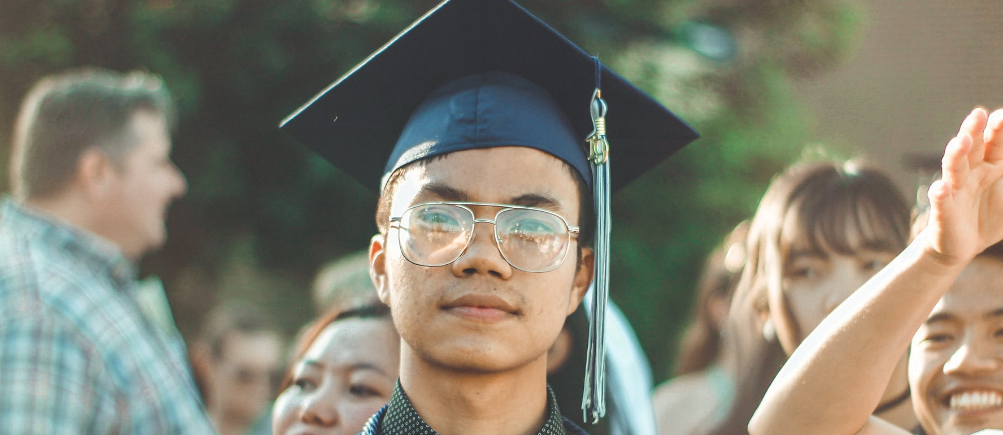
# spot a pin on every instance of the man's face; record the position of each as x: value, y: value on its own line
x: 244, y: 374
x: 479, y: 313
x: 956, y: 362
x: 144, y: 185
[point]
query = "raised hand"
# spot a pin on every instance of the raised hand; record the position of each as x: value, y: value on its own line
x: 966, y: 214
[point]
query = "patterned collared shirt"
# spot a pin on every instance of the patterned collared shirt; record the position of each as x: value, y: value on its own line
x: 400, y: 418
x: 77, y: 355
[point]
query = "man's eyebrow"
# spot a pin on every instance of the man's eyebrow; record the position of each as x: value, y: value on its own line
x: 537, y: 200
x: 994, y: 313
x: 367, y: 366
x: 446, y: 192
x: 940, y: 317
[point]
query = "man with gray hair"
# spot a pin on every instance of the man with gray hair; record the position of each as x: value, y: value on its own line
x: 93, y: 179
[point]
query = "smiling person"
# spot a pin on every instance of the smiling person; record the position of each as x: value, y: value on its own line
x: 343, y: 371
x: 486, y: 212
x: 943, y: 294
x: 958, y: 352
x: 93, y: 178
x: 821, y: 230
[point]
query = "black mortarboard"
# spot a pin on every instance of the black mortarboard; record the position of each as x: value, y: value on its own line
x: 484, y: 73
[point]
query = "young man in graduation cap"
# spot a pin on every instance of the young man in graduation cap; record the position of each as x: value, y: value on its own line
x: 496, y: 187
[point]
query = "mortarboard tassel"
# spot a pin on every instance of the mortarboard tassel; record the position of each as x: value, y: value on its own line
x: 594, y: 397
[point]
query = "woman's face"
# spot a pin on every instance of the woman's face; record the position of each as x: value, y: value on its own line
x: 813, y: 283
x: 345, y: 376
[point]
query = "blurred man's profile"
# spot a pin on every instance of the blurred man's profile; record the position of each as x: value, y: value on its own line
x: 93, y: 178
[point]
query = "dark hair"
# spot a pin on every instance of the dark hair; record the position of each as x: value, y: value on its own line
x: 586, y: 210
x: 809, y: 206
x: 701, y: 344
x: 230, y: 317
x: 815, y: 206
x: 65, y: 114
x: 306, y: 339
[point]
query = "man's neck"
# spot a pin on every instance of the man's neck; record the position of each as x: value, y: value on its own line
x: 74, y: 212
x: 229, y: 425
x: 61, y: 209
x: 460, y: 402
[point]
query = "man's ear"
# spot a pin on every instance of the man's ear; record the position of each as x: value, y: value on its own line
x: 378, y: 267
x: 200, y: 358
x: 95, y: 172
x: 583, y: 278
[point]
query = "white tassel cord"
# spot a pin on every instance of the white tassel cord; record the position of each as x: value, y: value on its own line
x: 594, y: 399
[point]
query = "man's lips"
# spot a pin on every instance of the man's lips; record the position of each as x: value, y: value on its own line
x: 974, y: 399
x: 483, y: 307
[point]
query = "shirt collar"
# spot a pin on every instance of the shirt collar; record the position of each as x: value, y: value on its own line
x: 95, y: 251
x: 402, y: 419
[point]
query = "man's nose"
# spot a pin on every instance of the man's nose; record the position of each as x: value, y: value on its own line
x: 972, y: 358
x: 482, y: 255
x: 180, y: 182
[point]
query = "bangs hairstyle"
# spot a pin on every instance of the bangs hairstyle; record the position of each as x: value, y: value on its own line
x: 843, y: 208
x: 822, y: 207
x: 818, y: 207
x: 306, y: 339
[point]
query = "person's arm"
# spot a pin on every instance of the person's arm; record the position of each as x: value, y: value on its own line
x: 44, y: 374
x: 835, y: 378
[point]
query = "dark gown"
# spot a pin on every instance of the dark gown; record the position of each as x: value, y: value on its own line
x: 373, y: 425
x: 400, y: 418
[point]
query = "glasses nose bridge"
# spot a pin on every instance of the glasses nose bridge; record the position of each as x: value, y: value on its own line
x: 485, y: 221
x: 494, y: 229
x: 476, y: 220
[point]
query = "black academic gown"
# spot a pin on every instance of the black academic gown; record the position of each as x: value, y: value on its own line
x: 373, y: 425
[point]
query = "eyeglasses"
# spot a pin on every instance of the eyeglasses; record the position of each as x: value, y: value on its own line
x: 529, y: 238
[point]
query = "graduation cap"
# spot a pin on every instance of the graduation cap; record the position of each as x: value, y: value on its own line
x: 485, y: 73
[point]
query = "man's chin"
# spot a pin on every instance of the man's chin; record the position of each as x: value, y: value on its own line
x: 475, y: 359
x: 968, y: 424
x: 156, y: 241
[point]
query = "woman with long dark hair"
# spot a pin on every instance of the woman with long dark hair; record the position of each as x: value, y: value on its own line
x: 820, y: 232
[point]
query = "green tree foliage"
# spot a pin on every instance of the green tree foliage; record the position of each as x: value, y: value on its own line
x: 259, y: 201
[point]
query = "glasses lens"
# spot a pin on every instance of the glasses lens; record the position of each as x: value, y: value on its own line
x: 532, y: 240
x: 435, y: 234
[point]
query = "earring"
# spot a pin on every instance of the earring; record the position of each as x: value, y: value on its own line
x: 769, y: 332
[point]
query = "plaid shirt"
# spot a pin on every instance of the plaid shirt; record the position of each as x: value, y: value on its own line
x: 77, y: 356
